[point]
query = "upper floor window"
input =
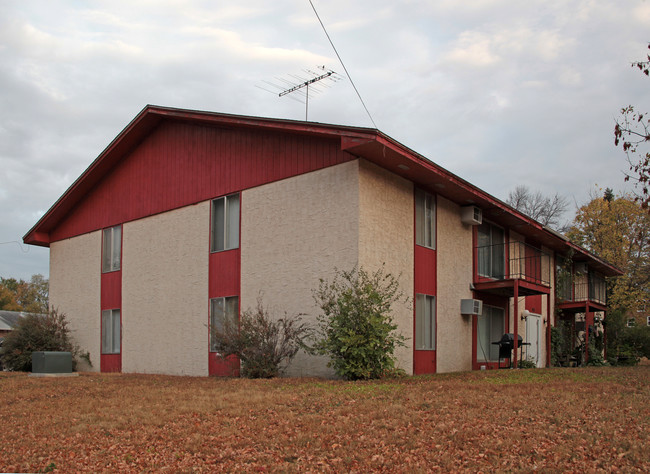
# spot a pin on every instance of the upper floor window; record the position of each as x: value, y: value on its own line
x: 112, y: 249
x: 425, y: 219
x: 491, y: 255
x: 225, y: 223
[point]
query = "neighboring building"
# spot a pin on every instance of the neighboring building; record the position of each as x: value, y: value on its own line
x: 8, y: 320
x: 639, y: 316
x: 188, y: 217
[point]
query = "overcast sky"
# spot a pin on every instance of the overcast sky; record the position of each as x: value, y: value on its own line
x: 501, y: 93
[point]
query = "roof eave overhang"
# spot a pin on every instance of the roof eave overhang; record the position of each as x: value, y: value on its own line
x: 366, y: 143
x: 393, y: 156
x: 148, y: 119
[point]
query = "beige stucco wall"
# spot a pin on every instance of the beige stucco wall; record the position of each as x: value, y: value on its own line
x: 454, y: 276
x: 294, y: 232
x: 165, y: 292
x: 75, y: 290
x: 386, y: 210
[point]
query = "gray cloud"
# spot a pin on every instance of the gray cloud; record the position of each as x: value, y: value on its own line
x: 500, y: 92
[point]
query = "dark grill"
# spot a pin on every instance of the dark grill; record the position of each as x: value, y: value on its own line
x: 506, y: 344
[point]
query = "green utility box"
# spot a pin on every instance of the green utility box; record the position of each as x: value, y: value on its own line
x: 51, y: 362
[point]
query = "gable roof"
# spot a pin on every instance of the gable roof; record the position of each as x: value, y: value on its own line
x: 8, y: 319
x: 367, y: 143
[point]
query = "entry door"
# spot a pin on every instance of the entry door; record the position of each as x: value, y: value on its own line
x: 533, y: 325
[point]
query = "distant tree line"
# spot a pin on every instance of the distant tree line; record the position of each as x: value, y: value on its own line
x: 28, y: 296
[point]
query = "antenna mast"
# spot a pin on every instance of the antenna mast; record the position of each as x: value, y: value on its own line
x: 307, y: 83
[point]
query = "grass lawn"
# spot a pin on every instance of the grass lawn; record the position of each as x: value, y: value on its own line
x: 589, y: 419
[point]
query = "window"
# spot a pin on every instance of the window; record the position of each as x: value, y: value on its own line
x: 631, y: 322
x: 225, y: 223
x: 647, y: 320
x: 491, y: 251
x: 490, y: 328
x: 425, y: 322
x: 111, y: 331
x: 425, y: 219
x: 221, y: 311
x: 112, y: 249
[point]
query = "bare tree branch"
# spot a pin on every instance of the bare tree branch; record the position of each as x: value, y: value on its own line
x: 546, y: 210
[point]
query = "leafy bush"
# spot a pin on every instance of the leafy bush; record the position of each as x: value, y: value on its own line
x: 356, y: 327
x: 639, y: 338
x: 38, y: 332
x: 527, y: 364
x: 596, y: 358
x: 264, y: 345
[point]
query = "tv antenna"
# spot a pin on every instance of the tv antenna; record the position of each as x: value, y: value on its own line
x: 309, y: 81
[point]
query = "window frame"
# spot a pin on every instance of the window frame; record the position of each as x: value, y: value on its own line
x: 425, y: 315
x: 112, y: 337
x: 229, y: 302
x: 226, y: 225
x: 492, y: 270
x: 491, y: 349
x: 112, y: 249
x: 425, y: 219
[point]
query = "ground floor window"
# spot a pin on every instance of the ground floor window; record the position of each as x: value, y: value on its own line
x: 490, y: 328
x: 222, y: 310
x: 111, y: 331
x: 425, y: 322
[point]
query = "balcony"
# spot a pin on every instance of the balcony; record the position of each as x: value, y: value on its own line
x: 502, y: 267
x: 575, y: 291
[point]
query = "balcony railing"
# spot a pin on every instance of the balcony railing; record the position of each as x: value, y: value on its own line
x: 585, y: 287
x: 514, y: 260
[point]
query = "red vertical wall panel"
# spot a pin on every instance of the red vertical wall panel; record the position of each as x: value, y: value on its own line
x: 180, y: 164
x: 111, y: 284
x: 111, y: 298
x: 424, y: 282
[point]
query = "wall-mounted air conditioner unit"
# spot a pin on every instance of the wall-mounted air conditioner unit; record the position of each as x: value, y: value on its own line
x: 471, y: 215
x: 471, y: 307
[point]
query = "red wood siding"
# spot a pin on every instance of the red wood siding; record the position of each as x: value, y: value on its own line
x: 180, y: 164
x: 534, y: 304
x: 111, y: 290
x: 224, y: 276
x: 425, y: 270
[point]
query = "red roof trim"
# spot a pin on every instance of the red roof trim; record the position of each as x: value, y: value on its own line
x: 367, y: 143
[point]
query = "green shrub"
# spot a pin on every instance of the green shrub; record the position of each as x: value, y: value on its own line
x: 38, y: 332
x: 596, y: 358
x: 264, y: 345
x: 356, y: 326
x: 527, y: 364
x: 625, y: 355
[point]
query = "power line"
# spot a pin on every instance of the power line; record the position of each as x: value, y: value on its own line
x: 342, y: 64
x: 17, y: 243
